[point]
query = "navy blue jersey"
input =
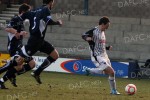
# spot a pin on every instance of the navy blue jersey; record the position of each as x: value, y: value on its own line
x: 13, y: 42
x: 39, y: 20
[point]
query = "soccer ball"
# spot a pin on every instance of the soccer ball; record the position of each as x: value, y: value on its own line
x: 130, y: 89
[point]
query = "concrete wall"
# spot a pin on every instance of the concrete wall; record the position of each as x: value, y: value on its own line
x: 120, y: 8
x: 129, y: 37
x: 114, y: 8
x: 2, y: 7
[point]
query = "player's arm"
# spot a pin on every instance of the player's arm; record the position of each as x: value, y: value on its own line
x: 14, y: 28
x: 11, y: 30
x: 52, y: 22
x: 88, y: 35
x: 14, y: 31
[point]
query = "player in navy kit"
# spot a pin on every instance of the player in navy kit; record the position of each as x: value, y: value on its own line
x: 15, y: 39
x: 39, y: 20
x: 97, y: 41
x: 36, y: 40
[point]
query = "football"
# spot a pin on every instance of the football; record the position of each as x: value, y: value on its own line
x: 130, y: 89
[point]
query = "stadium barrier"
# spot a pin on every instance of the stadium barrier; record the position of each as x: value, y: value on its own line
x: 77, y: 66
x: 3, y: 58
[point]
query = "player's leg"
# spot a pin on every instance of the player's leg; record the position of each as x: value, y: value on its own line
x: 27, y: 51
x: 110, y: 71
x: 15, y: 61
x: 50, y: 59
x: 96, y: 70
x: 8, y: 65
x: 30, y: 64
x: 21, y: 70
x: 7, y: 76
x: 19, y: 60
x: 11, y: 70
x: 10, y: 75
x: 53, y: 56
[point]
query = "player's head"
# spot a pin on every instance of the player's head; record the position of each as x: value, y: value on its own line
x: 24, y: 8
x: 50, y: 3
x: 104, y: 23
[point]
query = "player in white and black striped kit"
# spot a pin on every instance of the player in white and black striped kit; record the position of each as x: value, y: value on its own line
x: 97, y: 41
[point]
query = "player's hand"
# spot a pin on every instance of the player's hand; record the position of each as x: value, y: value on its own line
x: 17, y: 35
x: 110, y: 47
x: 23, y: 33
x: 19, y: 60
x: 60, y: 22
x: 88, y: 39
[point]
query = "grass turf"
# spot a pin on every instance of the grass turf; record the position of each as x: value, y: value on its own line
x: 60, y: 86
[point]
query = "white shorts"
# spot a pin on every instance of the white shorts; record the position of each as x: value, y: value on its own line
x: 101, y: 62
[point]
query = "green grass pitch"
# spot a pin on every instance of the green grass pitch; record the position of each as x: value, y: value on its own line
x: 60, y: 86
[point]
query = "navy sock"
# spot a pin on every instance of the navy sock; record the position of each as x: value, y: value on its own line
x: 26, y: 67
x: 44, y: 65
x: 9, y: 74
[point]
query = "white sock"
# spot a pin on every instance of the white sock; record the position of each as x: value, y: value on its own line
x: 2, y: 80
x: 112, y: 82
x: 96, y: 71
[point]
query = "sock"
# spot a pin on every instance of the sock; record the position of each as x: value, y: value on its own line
x: 26, y: 68
x: 4, y: 78
x: 44, y: 65
x: 96, y: 71
x: 112, y: 82
x: 9, y: 64
x: 9, y: 74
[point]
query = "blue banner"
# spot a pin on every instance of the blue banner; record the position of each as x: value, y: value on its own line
x: 79, y: 66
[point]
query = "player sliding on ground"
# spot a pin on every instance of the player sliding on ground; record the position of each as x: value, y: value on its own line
x: 97, y: 41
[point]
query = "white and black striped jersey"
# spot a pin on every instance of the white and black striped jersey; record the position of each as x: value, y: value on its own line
x: 98, y: 43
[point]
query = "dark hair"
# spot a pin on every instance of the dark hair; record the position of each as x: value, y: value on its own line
x: 104, y: 20
x: 47, y: 1
x: 24, y: 8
